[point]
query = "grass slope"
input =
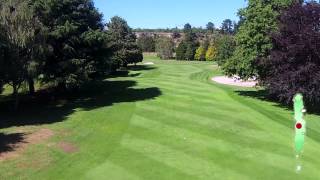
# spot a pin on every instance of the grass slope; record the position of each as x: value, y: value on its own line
x: 168, y: 122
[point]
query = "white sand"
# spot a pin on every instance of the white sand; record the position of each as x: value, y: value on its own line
x: 234, y: 81
x: 148, y: 63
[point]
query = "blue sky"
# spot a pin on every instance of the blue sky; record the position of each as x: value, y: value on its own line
x: 170, y: 13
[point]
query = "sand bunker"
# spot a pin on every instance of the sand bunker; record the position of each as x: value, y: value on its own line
x: 148, y: 63
x: 234, y: 81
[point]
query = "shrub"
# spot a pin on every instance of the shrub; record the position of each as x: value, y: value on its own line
x: 200, y: 54
x: 211, y: 53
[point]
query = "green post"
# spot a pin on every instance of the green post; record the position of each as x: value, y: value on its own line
x: 300, y: 125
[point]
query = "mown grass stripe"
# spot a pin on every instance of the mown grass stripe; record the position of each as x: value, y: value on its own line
x: 209, y: 151
x: 215, y: 121
x: 173, y: 158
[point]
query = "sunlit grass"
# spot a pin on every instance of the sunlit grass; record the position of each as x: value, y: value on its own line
x: 165, y: 121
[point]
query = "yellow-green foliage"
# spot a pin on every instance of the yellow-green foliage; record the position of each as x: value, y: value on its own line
x: 200, y: 54
x: 211, y: 53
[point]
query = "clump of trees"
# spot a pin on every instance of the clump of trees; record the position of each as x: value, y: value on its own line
x: 62, y: 43
x: 277, y: 43
x: 258, y: 20
x: 191, y: 43
x: 294, y: 62
x: 216, y: 45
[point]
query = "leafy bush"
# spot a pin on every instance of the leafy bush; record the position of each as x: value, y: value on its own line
x: 200, y: 54
x: 294, y: 64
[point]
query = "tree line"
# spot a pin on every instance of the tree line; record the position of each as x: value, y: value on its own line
x: 226, y: 24
x: 190, y: 44
x: 61, y: 43
x: 277, y: 43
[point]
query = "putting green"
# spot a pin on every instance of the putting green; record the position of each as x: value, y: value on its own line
x: 167, y: 121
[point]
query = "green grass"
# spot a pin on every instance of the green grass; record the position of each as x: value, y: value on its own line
x: 166, y: 121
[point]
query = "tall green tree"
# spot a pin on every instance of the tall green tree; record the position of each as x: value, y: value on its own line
x: 227, y: 26
x: 259, y: 19
x: 123, y: 43
x: 190, y: 52
x: 210, y: 27
x: 97, y: 51
x: 187, y: 28
x: 181, y: 51
x: 68, y: 64
x: 187, y: 48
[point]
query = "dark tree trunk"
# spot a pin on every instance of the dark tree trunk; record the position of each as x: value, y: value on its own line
x: 31, y: 86
x: 16, y: 97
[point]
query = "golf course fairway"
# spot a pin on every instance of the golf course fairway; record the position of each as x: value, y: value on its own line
x: 163, y: 120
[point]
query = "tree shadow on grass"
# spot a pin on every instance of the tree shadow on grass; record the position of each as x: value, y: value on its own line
x: 263, y: 95
x: 7, y: 141
x: 47, y: 107
x: 141, y: 67
x: 124, y: 74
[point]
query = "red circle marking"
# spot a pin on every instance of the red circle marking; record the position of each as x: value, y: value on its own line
x: 298, y: 125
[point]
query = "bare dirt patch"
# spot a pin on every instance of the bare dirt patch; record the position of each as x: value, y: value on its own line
x: 13, y: 145
x: 68, y: 147
x: 39, y: 136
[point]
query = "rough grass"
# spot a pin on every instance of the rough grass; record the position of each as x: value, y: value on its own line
x: 166, y: 121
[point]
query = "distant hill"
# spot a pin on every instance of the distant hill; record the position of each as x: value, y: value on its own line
x: 176, y: 36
